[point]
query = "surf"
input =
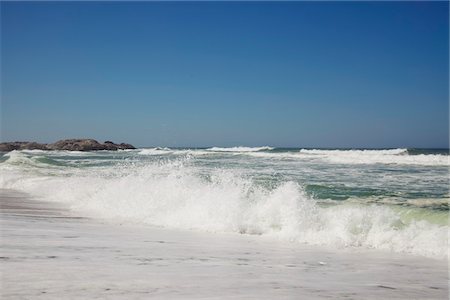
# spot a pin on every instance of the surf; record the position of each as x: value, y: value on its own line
x: 178, y: 193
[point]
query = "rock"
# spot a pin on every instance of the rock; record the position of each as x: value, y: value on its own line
x: 69, y: 145
x: 77, y: 145
x: 123, y: 146
x: 22, y: 146
x: 33, y: 146
x: 110, y: 145
x: 10, y: 146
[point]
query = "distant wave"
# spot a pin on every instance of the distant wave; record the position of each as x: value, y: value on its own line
x: 389, y: 156
x: 356, y: 152
x: 240, y: 149
x: 155, y: 151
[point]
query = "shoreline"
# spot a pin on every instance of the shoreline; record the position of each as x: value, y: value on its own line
x: 49, y: 252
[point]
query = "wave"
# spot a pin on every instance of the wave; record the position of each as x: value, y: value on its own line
x: 240, y: 149
x: 20, y: 158
x: 350, y: 157
x: 155, y: 151
x: 389, y: 156
x: 175, y: 194
x: 365, y: 152
x: 50, y: 161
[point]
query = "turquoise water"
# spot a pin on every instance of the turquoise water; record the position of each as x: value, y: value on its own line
x: 395, y: 199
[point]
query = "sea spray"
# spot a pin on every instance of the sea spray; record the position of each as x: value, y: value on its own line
x: 186, y: 192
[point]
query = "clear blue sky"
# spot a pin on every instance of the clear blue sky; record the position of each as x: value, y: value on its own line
x: 303, y: 74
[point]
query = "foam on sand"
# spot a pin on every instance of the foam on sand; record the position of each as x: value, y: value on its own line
x: 58, y: 256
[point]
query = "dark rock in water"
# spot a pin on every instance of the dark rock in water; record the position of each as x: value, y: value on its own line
x: 22, y: 146
x: 69, y: 145
x: 110, y: 145
x: 33, y: 146
x: 77, y: 145
x: 10, y: 146
x: 125, y: 146
x: 87, y: 145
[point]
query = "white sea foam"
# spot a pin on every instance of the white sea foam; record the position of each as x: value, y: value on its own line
x: 33, y: 151
x: 177, y: 152
x: 175, y: 194
x: 16, y: 157
x: 240, y: 149
x: 356, y: 152
x: 390, y: 156
x: 155, y: 151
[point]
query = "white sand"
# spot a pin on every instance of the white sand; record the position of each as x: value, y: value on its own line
x: 49, y: 253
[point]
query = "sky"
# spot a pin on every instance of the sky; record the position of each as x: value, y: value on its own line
x: 289, y: 74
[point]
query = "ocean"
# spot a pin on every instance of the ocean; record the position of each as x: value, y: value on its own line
x: 394, y: 200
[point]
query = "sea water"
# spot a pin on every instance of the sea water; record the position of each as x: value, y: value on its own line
x: 392, y: 199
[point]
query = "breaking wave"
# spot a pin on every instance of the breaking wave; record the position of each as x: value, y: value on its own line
x: 389, y: 156
x: 240, y: 149
x: 356, y: 152
x: 175, y: 194
x: 155, y: 151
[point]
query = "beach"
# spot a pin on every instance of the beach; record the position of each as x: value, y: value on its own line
x: 49, y: 252
x: 224, y: 150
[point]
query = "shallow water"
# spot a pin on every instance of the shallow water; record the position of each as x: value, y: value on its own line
x: 394, y: 200
x: 48, y: 252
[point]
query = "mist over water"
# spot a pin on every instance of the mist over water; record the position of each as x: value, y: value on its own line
x: 394, y: 199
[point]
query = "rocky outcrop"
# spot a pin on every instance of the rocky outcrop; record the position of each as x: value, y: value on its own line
x: 77, y: 145
x: 19, y: 145
x: 69, y: 145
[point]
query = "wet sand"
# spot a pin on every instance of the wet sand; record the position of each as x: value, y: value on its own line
x: 48, y: 252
